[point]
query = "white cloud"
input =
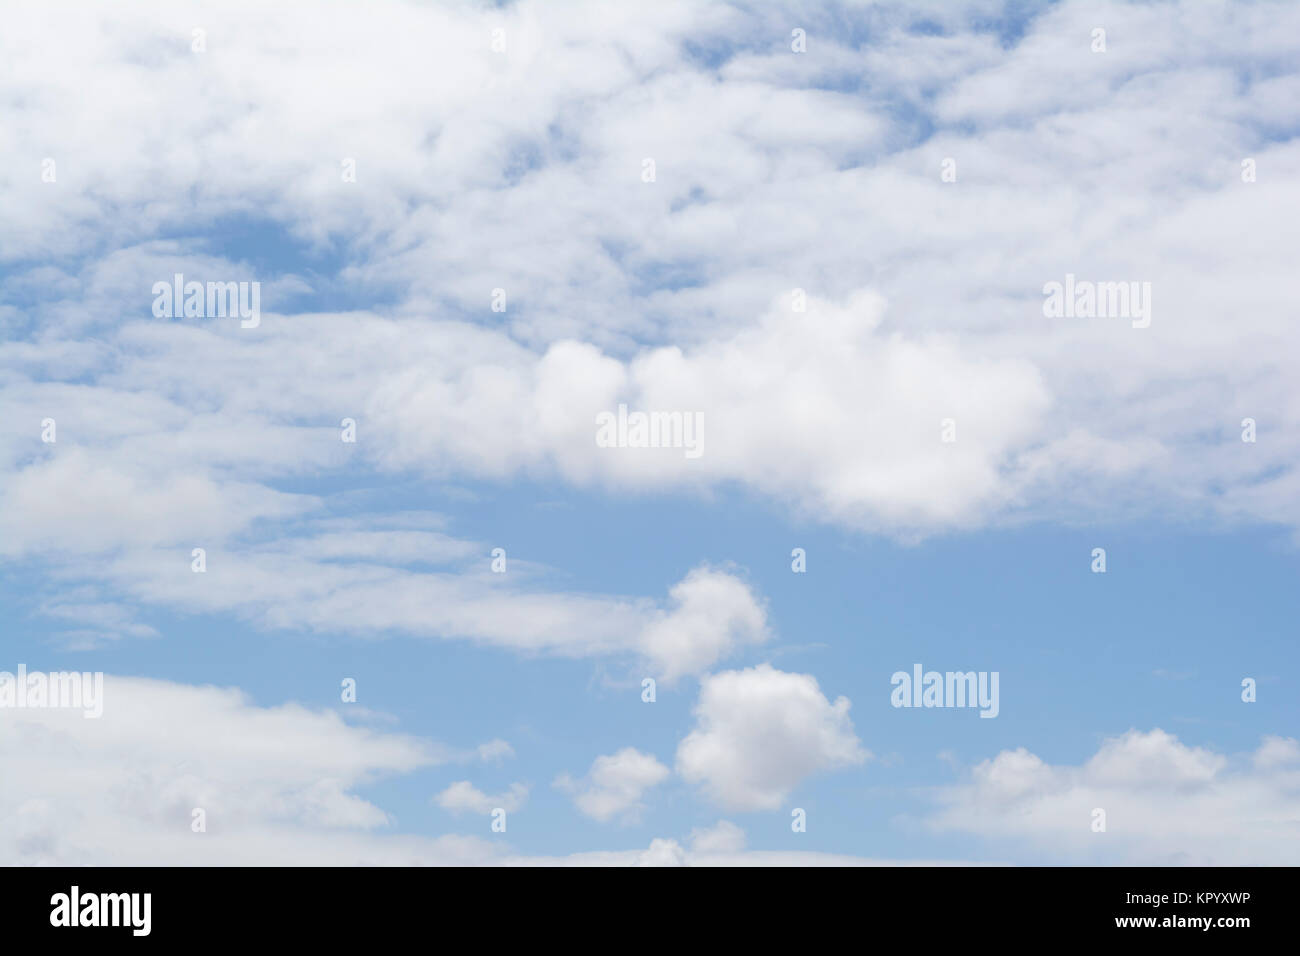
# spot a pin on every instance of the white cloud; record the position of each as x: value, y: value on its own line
x: 79, y: 501
x: 615, y: 784
x: 723, y: 837
x: 1165, y: 803
x: 121, y: 789
x: 713, y: 614
x: 759, y: 732
x: 662, y: 853
x: 806, y: 407
x: 463, y: 796
x: 326, y: 576
x: 1277, y: 752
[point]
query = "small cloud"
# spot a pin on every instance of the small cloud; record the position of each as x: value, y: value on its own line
x: 723, y: 837
x: 462, y: 796
x: 662, y: 853
x: 495, y: 751
x: 615, y: 784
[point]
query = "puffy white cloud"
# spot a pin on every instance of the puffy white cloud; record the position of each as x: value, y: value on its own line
x: 713, y: 614
x: 463, y: 796
x: 615, y: 784
x: 662, y: 853
x: 759, y: 732
x: 822, y: 408
x: 1165, y: 804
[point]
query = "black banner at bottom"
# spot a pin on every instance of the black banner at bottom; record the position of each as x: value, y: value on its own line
x: 1210, y: 906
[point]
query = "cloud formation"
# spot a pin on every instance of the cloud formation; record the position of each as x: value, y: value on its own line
x: 462, y: 796
x: 759, y: 732
x: 1166, y: 804
x: 615, y: 784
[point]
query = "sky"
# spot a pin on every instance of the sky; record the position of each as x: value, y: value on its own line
x: 368, y: 584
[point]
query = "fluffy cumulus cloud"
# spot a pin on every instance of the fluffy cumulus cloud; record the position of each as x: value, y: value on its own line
x: 803, y: 405
x: 761, y: 731
x: 1165, y: 803
x: 615, y: 785
x: 713, y: 614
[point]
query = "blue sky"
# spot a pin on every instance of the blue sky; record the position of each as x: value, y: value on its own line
x: 780, y: 177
